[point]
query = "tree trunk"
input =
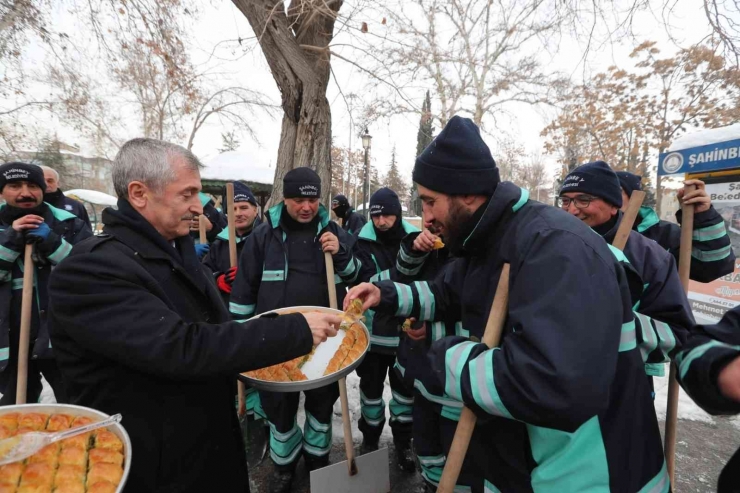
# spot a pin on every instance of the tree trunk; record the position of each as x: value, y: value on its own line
x: 302, y: 75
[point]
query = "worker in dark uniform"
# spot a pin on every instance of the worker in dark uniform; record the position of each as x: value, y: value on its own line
x: 352, y: 222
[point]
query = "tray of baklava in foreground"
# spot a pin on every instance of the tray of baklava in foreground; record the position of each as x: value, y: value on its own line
x: 325, y: 364
x: 95, y: 462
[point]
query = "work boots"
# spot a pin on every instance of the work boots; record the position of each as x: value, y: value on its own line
x: 368, y: 446
x: 404, y: 455
x: 280, y: 481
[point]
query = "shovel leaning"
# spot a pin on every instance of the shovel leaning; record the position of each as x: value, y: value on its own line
x: 25, y: 336
x: 367, y: 473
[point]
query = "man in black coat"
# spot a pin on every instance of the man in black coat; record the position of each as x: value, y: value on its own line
x: 55, y: 196
x: 352, y: 222
x: 139, y: 328
x: 24, y: 218
x: 711, y: 256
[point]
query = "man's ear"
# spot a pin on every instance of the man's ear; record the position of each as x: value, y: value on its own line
x: 614, y: 210
x: 138, y: 194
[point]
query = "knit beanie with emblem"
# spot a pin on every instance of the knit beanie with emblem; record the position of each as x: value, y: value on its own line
x: 596, y: 179
x: 385, y: 202
x: 629, y: 182
x: 301, y: 183
x: 17, y: 171
x: 243, y: 193
x: 457, y: 162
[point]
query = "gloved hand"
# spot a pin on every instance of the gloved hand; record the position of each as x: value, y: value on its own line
x: 41, y: 233
x: 224, y: 281
x: 201, y: 249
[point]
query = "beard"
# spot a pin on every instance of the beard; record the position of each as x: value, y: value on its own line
x: 456, y: 226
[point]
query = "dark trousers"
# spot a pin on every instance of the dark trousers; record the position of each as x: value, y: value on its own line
x: 372, y: 372
x: 36, y: 368
x: 433, y: 436
x: 286, y: 439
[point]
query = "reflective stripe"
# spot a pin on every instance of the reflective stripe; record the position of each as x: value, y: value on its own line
x: 710, y: 232
x: 407, y: 272
x: 8, y: 255
x: 316, y: 436
x: 618, y: 254
x: 400, y: 368
x: 685, y: 360
x: 352, y: 279
x: 432, y: 460
x: 402, y: 399
x: 371, y: 402
x: 628, y: 337
x: 666, y: 337
x: 438, y: 331
x: 711, y: 255
x: 649, y: 339
x: 460, y: 331
x: 426, y: 300
x: 61, y: 252
x: 351, y: 267
x: 285, y: 447
x: 659, y: 484
x: 451, y: 413
x: 411, y: 260
x: 385, y: 275
x: 435, y: 398
x: 4, y: 275
x: 488, y: 487
x: 241, y: 309
x: 16, y: 284
x: 522, y: 200
x: 484, y: 389
x: 405, y: 300
x: 273, y: 275
x: 4, y: 353
x: 455, y: 360
x: 384, y: 341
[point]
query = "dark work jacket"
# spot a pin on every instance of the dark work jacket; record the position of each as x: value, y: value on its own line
x: 218, y: 220
x: 67, y: 230
x: 709, y: 349
x: 353, y: 222
x: 711, y: 251
x: 217, y: 258
x: 263, y: 274
x: 379, y: 263
x: 138, y: 328
x: 565, y: 391
x: 60, y: 201
x: 663, y: 315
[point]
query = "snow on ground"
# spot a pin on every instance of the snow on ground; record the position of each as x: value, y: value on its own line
x: 687, y: 409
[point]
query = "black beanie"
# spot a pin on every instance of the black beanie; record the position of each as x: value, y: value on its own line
x: 597, y: 179
x: 385, y: 202
x: 243, y: 193
x: 17, y: 171
x: 339, y: 201
x: 457, y: 162
x: 301, y: 183
x: 629, y: 182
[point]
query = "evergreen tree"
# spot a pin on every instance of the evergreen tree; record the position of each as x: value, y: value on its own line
x: 426, y: 131
x: 229, y: 142
x: 393, y: 178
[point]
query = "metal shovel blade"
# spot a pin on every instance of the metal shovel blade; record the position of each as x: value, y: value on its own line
x: 373, y: 475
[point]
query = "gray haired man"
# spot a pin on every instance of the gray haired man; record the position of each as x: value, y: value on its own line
x: 139, y: 328
x: 55, y: 197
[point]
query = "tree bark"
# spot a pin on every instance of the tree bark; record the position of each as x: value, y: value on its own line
x: 302, y: 76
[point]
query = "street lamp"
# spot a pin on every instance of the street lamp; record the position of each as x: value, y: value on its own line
x: 366, y: 138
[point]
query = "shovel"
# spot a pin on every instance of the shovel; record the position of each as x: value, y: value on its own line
x: 367, y: 473
x: 25, y: 335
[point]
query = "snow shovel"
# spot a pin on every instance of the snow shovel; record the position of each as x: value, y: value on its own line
x: 25, y: 336
x: 466, y: 425
x: 684, y: 271
x: 367, y: 473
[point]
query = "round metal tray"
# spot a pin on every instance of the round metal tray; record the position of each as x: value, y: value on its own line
x: 87, y: 412
x: 316, y: 382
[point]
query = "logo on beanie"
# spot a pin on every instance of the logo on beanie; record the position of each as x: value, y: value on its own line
x: 309, y: 190
x: 16, y: 174
x: 376, y: 209
x: 241, y: 196
x: 572, y: 181
x: 673, y: 162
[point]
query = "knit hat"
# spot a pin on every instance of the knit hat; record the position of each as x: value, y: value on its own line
x: 301, y: 183
x: 457, y: 161
x: 629, y: 182
x: 242, y: 193
x: 17, y: 171
x: 385, y: 202
x: 597, y: 179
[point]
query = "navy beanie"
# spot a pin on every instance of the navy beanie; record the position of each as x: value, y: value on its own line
x: 301, y: 183
x: 17, y: 171
x: 629, y: 182
x: 339, y: 201
x: 457, y: 162
x: 385, y: 202
x: 243, y: 193
x: 597, y: 179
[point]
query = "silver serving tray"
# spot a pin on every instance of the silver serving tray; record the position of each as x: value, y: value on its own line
x: 116, y: 428
x: 316, y: 382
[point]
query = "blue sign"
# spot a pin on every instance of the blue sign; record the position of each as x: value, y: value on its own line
x: 712, y: 157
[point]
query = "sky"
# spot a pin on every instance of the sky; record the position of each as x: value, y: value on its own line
x: 212, y: 43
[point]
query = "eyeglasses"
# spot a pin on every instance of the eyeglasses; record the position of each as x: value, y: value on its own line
x: 581, y: 202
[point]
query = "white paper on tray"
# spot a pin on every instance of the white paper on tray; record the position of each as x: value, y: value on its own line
x: 316, y: 366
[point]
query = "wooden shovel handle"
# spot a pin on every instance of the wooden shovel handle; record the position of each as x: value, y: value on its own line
x: 202, y: 229
x: 628, y: 220
x: 25, y: 336
x: 684, y: 271
x: 466, y: 425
